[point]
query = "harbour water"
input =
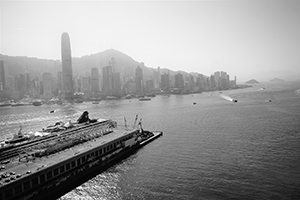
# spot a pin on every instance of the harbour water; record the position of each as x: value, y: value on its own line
x: 212, y: 148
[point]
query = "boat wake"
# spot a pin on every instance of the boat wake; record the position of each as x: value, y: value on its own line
x: 226, y: 97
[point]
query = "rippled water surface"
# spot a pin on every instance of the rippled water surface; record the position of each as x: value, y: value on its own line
x: 214, y: 149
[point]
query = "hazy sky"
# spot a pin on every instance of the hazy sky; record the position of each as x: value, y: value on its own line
x: 249, y: 39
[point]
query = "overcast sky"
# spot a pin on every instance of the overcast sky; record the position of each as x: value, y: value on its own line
x: 249, y: 39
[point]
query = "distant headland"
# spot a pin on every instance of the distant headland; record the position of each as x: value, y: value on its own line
x: 252, y: 81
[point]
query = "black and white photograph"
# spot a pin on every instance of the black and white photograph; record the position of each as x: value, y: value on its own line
x: 149, y: 100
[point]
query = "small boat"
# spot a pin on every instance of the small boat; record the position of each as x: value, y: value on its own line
x: 144, y: 99
x: 95, y: 102
x: 37, y: 103
x: 78, y: 101
x: 151, y: 95
x: 111, y: 98
x: 234, y: 100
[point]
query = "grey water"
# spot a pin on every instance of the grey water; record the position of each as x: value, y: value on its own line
x: 212, y: 148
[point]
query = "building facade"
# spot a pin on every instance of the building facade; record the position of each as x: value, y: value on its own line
x: 67, y: 74
x: 95, y: 80
x: 139, y: 80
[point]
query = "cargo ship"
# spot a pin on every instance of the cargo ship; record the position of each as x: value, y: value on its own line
x: 51, y: 167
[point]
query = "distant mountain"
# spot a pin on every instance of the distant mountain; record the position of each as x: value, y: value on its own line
x: 16, y: 65
x: 124, y: 63
x: 252, y: 81
x: 276, y: 80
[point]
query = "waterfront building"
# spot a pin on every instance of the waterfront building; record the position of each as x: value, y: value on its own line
x: 27, y: 83
x: 67, y: 75
x: 107, y: 80
x: 165, y: 82
x: 149, y: 88
x: 130, y: 87
x: 139, y: 80
x: 190, y: 83
x: 212, y: 82
x: 59, y: 82
x: 223, y: 80
x: 86, y: 85
x: 179, y: 82
x: 77, y: 84
x: 217, y: 79
x: 156, y: 77
x: 36, y: 88
x: 2, y: 76
x: 20, y: 85
x: 116, y: 82
x: 47, y: 85
x: 95, y: 80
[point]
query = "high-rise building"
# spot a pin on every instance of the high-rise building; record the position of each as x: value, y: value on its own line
x: 165, y: 82
x: 20, y: 85
x: 217, y: 76
x: 47, y: 85
x: 59, y: 82
x: 139, y: 80
x: 116, y: 81
x: 107, y: 79
x: 112, y: 63
x: 149, y: 86
x: 86, y: 85
x: 2, y: 76
x: 95, y: 80
x: 179, y: 82
x: 67, y: 75
x: 212, y: 82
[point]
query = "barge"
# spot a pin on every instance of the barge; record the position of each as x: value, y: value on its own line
x: 49, y: 169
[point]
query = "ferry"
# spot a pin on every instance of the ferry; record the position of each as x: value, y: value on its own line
x: 50, y: 168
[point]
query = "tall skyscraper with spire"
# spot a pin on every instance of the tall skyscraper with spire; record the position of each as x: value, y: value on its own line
x: 66, y: 59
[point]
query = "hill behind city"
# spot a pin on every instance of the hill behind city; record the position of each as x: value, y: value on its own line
x: 16, y: 65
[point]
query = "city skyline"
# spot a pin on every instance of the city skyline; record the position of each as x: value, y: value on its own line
x: 244, y: 38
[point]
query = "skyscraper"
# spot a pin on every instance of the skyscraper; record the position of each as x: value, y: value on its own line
x: 139, y: 79
x: 107, y: 79
x: 165, y: 82
x: 2, y: 76
x: 179, y: 82
x: 95, y: 80
x: 112, y: 63
x: 47, y: 85
x: 66, y: 59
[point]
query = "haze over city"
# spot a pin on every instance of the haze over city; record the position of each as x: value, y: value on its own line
x: 249, y: 39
